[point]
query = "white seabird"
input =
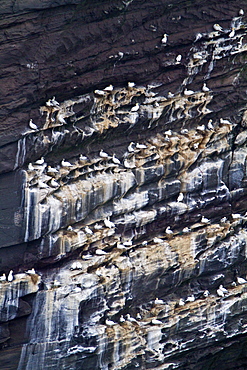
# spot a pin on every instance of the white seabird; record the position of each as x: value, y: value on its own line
x: 31, y: 272
x: 131, y: 147
x: 190, y: 298
x: 168, y: 230
x: 108, y: 223
x: 97, y: 226
x: 54, y: 102
x: 135, y: 108
x: 188, y: 92
x: 76, y: 266
x: 109, y: 88
x: 115, y: 159
x: 210, y: 125
x: 180, y: 197
x: 224, y: 290
x: 217, y: 27
x: 141, y: 146
x: 99, y: 252
x: 170, y: 94
x: 205, y: 88
x: 103, y: 154
x: 181, y: 302
x: 30, y: 167
x: 157, y: 240
x: 206, y: 293
x: 54, y: 183
x: 178, y: 58
x: 205, y: 220
x: 10, y: 276
x: 131, y: 85
x: 100, y: 92
x: 232, y: 33
x: 32, y: 125
x: 130, y: 319
x: 156, y: 322
x: 88, y: 230
x: 241, y: 12
x: 122, y: 319
x: 241, y: 280
x: 3, y: 278
x: 109, y: 322
x: 201, y: 128
x: 66, y: 163
x: 158, y: 301
x: 164, y: 39
x: 40, y: 161
x: 51, y: 170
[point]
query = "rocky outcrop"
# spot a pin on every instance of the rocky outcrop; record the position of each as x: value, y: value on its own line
x: 126, y: 191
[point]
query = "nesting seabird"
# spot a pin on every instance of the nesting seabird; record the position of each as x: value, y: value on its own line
x: 3, y: 278
x: 30, y: 167
x: 109, y: 88
x: 206, y: 293
x: 10, y: 276
x: 65, y: 163
x: 205, y: 88
x: 40, y: 161
x: 205, y: 220
x: 122, y: 319
x: 51, y: 170
x: 210, y: 125
x: 201, y: 128
x: 181, y: 302
x: 131, y: 147
x: 99, y: 252
x: 31, y: 272
x: 168, y: 230
x: 157, y: 240
x: 232, y: 33
x: 158, y: 301
x: 180, y: 197
x: 130, y: 319
x: 100, y: 92
x: 241, y: 12
x: 164, y: 39
x: 131, y: 85
x: 76, y: 266
x: 224, y: 290
x: 170, y: 94
x: 88, y: 230
x: 190, y: 298
x: 115, y: 159
x: 156, y: 322
x: 135, y: 108
x: 32, y: 125
x: 241, y: 280
x: 97, y: 226
x: 178, y: 58
x: 186, y: 229
x: 108, y: 223
x: 109, y: 322
x: 217, y: 27
x: 188, y: 92
x: 103, y: 154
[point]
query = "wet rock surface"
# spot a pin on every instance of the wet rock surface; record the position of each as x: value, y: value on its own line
x: 126, y: 190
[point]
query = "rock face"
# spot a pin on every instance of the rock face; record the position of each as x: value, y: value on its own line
x: 128, y: 196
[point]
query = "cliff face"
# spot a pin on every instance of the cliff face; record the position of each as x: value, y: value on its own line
x: 129, y: 202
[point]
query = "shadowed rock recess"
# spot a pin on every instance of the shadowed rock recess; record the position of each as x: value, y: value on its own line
x: 123, y: 161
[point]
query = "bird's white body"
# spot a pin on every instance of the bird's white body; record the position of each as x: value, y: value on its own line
x: 103, y: 154
x: 241, y: 280
x: 40, y: 161
x: 76, y: 266
x: 188, y: 92
x: 165, y: 38
x: 169, y: 231
x: 108, y: 223
x: 65, y: 163
x: 88, y: 230
x: 99, y: 252
x: 10, y: 276
x: 32, y: 125
x: 131, y: 85
x: 109, y: 88
x: 31, y: 272
x: 158, y: 301
x: 205, y: 88
x: 156, y: 322
x: 135, y: 108
x: 217, y: 27
x: 205, y: 220
x: 180, y: 197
